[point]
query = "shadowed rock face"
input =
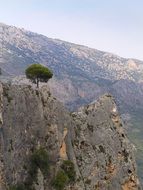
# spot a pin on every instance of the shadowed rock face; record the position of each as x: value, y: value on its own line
x: 92, y: 138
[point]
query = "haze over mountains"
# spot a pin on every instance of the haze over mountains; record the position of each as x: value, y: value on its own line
x: 81, y: 74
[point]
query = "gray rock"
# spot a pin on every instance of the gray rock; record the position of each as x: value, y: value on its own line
x: 93, y: 139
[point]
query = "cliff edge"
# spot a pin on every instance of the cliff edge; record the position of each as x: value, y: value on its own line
x: 44, y: 147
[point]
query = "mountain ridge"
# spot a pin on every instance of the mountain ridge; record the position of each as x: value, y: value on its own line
x: 81, y: 74
x: 74, y: 66
x: 66, y: 41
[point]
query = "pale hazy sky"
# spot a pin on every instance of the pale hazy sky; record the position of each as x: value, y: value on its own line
x: 110, y: 25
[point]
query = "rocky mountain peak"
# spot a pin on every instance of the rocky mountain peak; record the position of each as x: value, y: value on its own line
x: 92, y: 141
x: 81, y: 75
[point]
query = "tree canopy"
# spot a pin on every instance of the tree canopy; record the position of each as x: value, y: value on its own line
x: 38, y: 73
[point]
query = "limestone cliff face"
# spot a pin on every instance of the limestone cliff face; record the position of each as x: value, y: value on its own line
x: 92, y: 139
x: 104, y: 154
x: 31, y: 118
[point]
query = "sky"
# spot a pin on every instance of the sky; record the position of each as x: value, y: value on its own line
x: 114, y: 26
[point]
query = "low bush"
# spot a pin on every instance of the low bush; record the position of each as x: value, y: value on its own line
x: 18, y: 187
x: 65, y: 175
x: 60, y: 181
x: 39, y: 159
x: 69, y: 169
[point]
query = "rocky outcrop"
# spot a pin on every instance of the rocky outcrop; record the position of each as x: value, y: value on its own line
x: 92, y: 139
x: 31, y: 119
x: 103, y: 152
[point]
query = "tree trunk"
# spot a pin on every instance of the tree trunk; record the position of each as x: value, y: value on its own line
x: 37, y: 82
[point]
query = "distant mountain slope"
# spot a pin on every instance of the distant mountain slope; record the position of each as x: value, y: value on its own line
x: 21, y: 46
x: 81, y: 74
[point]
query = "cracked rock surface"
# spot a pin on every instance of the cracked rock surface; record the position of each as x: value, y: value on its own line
x: 92, y: 138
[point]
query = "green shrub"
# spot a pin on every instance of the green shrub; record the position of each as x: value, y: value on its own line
x: 21, y: 187
x: 39, y: 159
x: 60, y: 181
x: 18, y: 187
x: 65, y: 175
x: 68, y: 168
x: 12, y: 188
